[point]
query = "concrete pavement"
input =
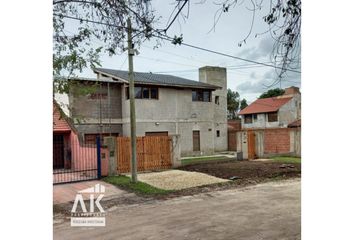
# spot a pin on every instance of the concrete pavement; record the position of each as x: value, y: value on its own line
x: 63, y: 193
x: 265, y: 211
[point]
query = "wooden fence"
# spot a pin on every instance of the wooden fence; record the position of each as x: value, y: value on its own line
x: 152, y: 153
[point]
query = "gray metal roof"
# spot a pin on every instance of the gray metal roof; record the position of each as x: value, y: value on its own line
x: 156, y: 79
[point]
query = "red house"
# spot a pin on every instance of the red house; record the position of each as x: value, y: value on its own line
x: 73, y: 160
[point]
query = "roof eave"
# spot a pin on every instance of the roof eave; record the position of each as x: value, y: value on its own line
x: 213, y: 87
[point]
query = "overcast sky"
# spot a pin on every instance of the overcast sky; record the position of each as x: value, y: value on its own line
x: 183, y: 61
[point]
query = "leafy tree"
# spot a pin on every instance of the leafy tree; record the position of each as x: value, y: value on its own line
x: 272, y: 93
x: 243, y: 104
x: 233, y: 103
x: 77, y: 49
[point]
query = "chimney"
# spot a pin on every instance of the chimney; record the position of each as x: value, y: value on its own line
x: 213, y: 75
x: 291, y: 90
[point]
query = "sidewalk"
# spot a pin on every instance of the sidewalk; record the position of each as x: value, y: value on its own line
x: 64, y: 193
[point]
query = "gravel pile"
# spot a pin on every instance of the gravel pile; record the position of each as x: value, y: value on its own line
x: 177, y: 179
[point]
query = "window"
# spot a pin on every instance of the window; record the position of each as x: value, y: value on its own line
x: 138, y: 91
x: 201, y: 95
x: 273, y: 117
x: 217, y: 133
x: 154, y: 93
x: 217, y: 100
x: 248, y: 118
x: 143, y: 92
x: 127, y: 92
x: 206, y: 96
x: 255, y: 117
x: 146, y: 93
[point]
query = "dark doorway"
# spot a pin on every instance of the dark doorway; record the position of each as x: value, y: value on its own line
x: 196, y: 141
x: 58, y: 151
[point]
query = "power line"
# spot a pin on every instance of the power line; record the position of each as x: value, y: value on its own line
x: 168, y: 38
x: 174, y: 19
x: 226, y: 55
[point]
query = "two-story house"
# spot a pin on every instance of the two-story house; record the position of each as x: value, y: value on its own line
x: 165, y: 105
x: 274, y: 112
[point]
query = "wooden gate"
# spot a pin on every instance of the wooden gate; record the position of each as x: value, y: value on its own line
x: 152, y: 153
x: 232, y: 141
x: 251, y: 145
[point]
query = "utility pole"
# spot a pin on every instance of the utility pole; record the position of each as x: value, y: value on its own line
x: 132, y: 104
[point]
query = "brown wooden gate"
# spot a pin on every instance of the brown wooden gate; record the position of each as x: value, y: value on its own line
x: 251, y: 145
x: 152, y: 153
x: 232, y: 141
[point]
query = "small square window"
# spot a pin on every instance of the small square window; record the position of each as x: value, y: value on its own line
x: 248, y: 118
x: 217, y: 100
x: 273, y: 117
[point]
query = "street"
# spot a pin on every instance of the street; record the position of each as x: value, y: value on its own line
x: 266, y: 211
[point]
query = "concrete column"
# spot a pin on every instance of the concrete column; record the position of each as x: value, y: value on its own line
x: 176, y: 150
x: 111, y: 143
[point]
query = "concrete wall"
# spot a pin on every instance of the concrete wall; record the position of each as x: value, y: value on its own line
x: 176, y: 113
x: 91, y: 107
x: 88, y: 110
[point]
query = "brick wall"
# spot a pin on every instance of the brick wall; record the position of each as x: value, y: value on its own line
x: 276, y: 141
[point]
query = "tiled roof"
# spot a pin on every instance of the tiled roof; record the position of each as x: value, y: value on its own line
x: 156, y: 79
x: 264, y: 105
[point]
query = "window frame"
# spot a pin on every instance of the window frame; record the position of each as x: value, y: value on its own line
x: 248, y: 118
x: 272, y: 114
x: 143, y: 87
x: 198, y: 95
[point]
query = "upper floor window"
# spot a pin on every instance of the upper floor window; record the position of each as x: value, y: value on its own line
x: 273, y: 117
x: 255, y: 117
x: 143, y: 92
x: 248, y: 118
x: 201, y: 95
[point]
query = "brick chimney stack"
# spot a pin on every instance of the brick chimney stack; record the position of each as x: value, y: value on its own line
x: 291, y: 90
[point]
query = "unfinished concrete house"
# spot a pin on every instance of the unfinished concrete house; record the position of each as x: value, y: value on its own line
x: 165, y: 105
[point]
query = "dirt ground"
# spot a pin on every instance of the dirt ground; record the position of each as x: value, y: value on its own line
x: 246, y: 170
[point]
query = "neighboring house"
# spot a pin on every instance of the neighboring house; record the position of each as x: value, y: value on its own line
x: 271, y: 126
x: 165, y: 105
x: 274, y: 112
x: 69, y: 153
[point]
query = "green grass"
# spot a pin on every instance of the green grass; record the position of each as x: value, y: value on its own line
x: 287, y: 159
x: 201, y: 159
x: 139, y: 187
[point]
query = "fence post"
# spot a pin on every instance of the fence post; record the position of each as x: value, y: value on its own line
x: 111, y: 143
x: 98, y: 143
